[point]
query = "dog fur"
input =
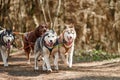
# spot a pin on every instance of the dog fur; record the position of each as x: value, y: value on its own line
x: 66, y: 47
x: 44, y: 47
x: 6, y: 40
x: 29, y: 39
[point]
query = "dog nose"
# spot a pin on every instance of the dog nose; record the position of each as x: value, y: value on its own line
x: 50, y: 40
x: 8, y: 40
x: 44, y: 30
x: 70, y: 37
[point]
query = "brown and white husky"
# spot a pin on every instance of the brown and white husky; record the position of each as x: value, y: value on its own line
x: 67, y: 39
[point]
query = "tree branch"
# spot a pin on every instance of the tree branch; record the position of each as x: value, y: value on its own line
x: 43, y: 10
x: 49, y: 14
x: 56, y: 16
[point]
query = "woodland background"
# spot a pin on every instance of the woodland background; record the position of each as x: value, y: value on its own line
x: 97, y: 22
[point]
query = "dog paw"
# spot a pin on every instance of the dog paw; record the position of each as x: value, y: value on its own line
x: 70, y: 65
x: 49, y: 70
x: 56, y: 68
x: 44, y: 69
x: 36, y: 68
x: 5, y: 65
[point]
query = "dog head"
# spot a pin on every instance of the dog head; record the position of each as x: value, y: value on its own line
x: 69, y: 34
x: 50, y: 38
x: 8, y: 37
x: 41, y: 29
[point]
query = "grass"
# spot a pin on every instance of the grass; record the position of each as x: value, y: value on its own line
x: 94, y: 55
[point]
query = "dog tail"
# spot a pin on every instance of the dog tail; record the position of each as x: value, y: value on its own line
x: 18, y: 33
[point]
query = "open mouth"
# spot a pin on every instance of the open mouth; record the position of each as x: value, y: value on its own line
x: 70, y: 40
x: 69, y: 43
x: 8, y: 44
x: 51, y: 44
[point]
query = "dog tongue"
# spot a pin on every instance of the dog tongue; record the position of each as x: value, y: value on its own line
x: 69, y: 42
x: 8, y: 45
x: 51, y: 44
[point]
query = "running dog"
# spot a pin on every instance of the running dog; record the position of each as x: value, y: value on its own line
x: 67, y: 39
x: 6, y: 41
x: 29, y: 39
x: 44, y: 48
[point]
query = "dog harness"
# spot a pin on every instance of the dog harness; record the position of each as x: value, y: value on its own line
x: 50, y: 49
x: 66, y: 49
x: 1, y: 39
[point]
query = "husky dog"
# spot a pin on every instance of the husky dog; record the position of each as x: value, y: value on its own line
x: 67, y: 39
x: 44, y: 47
x: 6, y: 40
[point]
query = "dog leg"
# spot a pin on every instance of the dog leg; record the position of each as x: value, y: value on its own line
x: 37, y: 55
x: 28, y: 58
x: 71, y: 57
x: 44, y: 66
x: 64, y: 59
x: 56, y: 61
x: 46, y: 59
x: 4, y: 58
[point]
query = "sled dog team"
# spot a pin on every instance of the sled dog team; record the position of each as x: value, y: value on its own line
x: 43, y: 42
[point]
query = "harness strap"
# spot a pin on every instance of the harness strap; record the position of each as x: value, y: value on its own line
x: 66, y: 49
x: 50, y: 49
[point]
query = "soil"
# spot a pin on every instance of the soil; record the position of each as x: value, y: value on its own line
x: 101, y: 70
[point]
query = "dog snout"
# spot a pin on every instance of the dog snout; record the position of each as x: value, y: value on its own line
x: 70, y: 37
x: 51, y: 41
x: 44, y: 30
x: 8, y: 40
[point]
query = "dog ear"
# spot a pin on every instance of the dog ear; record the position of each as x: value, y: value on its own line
x: 10, y: 30
x: 4, y: 31
x: 66, y: 26
x: 71, y: 25
x: 53, y: 30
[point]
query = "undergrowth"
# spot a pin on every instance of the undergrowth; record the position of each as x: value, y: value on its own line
x: 94, y: 55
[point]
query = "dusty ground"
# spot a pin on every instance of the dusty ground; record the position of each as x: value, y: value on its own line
x: 19, y: 70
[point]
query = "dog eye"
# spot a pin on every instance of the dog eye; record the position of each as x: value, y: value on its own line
x: 48, y: 36
x: 68, y: 32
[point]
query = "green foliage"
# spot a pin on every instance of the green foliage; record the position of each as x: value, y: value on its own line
x: 94, y: 55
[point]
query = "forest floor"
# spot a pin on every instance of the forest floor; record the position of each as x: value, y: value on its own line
x: 99, y: 70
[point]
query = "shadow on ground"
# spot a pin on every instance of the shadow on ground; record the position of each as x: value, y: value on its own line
x: 96, y: 78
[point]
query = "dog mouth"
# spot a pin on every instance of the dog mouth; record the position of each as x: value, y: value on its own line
x: 50, y: 44
x: 70, y: 40
x: 8, y: 44
x: 69, y: 43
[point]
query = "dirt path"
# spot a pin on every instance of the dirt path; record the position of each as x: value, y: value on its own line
x: 19, y: 70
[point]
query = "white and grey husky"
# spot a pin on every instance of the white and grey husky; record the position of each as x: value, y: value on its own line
x: 6, y: 40
x: 44, y: 47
